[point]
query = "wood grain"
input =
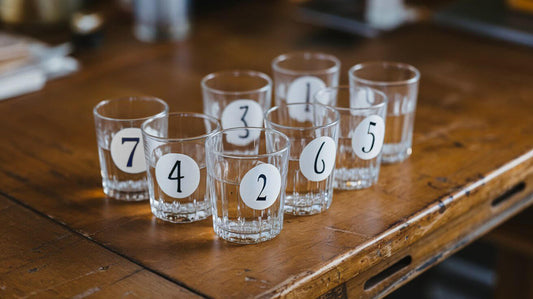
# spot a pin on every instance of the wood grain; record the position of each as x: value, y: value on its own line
x: 472, y: 142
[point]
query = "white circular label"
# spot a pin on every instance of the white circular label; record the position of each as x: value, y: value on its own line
x: 242, y: 113
x: 367, y: 138
x: 127, y: 150
x: 177, y: 175
x: 302, y: 90
x: 317, y: 159
x: 260, y: 186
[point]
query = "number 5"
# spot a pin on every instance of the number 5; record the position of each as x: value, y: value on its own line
x: 373, y: 137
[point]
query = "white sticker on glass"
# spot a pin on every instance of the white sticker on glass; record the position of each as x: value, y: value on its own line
x: 177, y: 175
x: 242, y: 113
x: 317, y: 159
x: 260, y: 186
x: 127, y: 151
x: 302, y: 90
x: 367, y: 139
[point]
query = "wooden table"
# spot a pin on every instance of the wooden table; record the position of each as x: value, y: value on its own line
x: 472, y: 168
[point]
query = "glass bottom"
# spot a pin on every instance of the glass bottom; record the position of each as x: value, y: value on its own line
x: 391, y: 155
x: 152, y: 33
x: 126, y: 190
x: 307, y: 204
x: 247, y: 232
x: 355, y: 178
x: 176, y: 212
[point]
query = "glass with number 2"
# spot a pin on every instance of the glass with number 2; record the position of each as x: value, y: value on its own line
x: 175, y: 155
x: 362, y: 130
x: 120, y: 146
x: 313, y: 136
x: 247, y: 184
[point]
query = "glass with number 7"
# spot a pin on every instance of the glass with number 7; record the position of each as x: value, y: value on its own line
x: 362, y: 130
x: 120, y: 146
x: 247, y: 184
x: 238, y: 98
x: 174, y: 147
x: 313, y: 149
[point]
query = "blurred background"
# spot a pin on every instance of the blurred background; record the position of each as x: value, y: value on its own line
x: 41, y: 40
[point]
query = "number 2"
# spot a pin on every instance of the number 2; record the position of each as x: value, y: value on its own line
x: 244, y: 121
x: 178, y: 177
x: 373, y: 137
x: 259, y: 197
x: 131, y: 139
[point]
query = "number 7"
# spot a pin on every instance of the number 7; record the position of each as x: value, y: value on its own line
x: 131, y: 139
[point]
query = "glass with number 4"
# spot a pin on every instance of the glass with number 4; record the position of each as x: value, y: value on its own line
x: 174, y: 147
x: 362, y: 130
x: 247, y: 184
x: 238, y: 98
x: 399, y: 82
x: 120, y: 146
x: 299, y: 75
x: 313, y: 150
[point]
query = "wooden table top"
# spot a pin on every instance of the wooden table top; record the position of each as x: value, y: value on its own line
x: 471, y: 169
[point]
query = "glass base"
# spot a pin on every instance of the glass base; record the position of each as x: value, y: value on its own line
x: 355, y: 178
x: 250, y: 232
x: 307, y: 204
x: 395, y: 157
x: 126, y: 191
x: 180, y: 213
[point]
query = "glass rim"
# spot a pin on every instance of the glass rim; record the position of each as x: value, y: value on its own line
x: 333, y: 123
x: 178, y: 139
x: 147, y: 98
x: 398, y: 65
x: 235, y: 73
x: 248, y: 157
x: 373, y: 106
x: 318, y: 55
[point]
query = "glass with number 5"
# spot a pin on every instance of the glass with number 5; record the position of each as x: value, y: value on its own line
x: 313, y: 150
x: 174, y: 147
x: 238, y: 98
x: 362, y: 130
x: 247, y: 184
x: 120, y: 146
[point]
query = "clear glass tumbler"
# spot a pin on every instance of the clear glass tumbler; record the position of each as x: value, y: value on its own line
x: 174, y: 147
x: 247, y: 184
x: 312, y: 159
x: 299, y: 75
x: 399, y: 82
x: 362, y: 130
x: 120, y: 146
x: 237, y: 98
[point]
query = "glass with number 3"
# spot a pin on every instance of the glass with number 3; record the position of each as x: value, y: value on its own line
x: 120, y: 146
x: 238, y: 98
x: 313, y: 141
x: 362, y: 130
x: 247, y: 184
x: 175, y: 155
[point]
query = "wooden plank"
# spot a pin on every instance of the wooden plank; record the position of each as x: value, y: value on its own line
x: 469, y: 129
x: 41, y: 259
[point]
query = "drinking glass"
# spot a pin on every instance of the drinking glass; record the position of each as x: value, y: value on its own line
x: 247, y: 184
x: 362, y: 130
x: 238, y: 98
x: 312, y: 158
x: 299, y: 75
x: 120, y: 149
x: 399, y: 82
x: 174, y: 147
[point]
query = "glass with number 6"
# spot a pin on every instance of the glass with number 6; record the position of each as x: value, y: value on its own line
x: 174, y: 147
x: 313, y: 150
x: 120, y: 146
x: 299, y: 75
x: 247, y: 184
x: 362, y: 129
x: 238, y: 98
